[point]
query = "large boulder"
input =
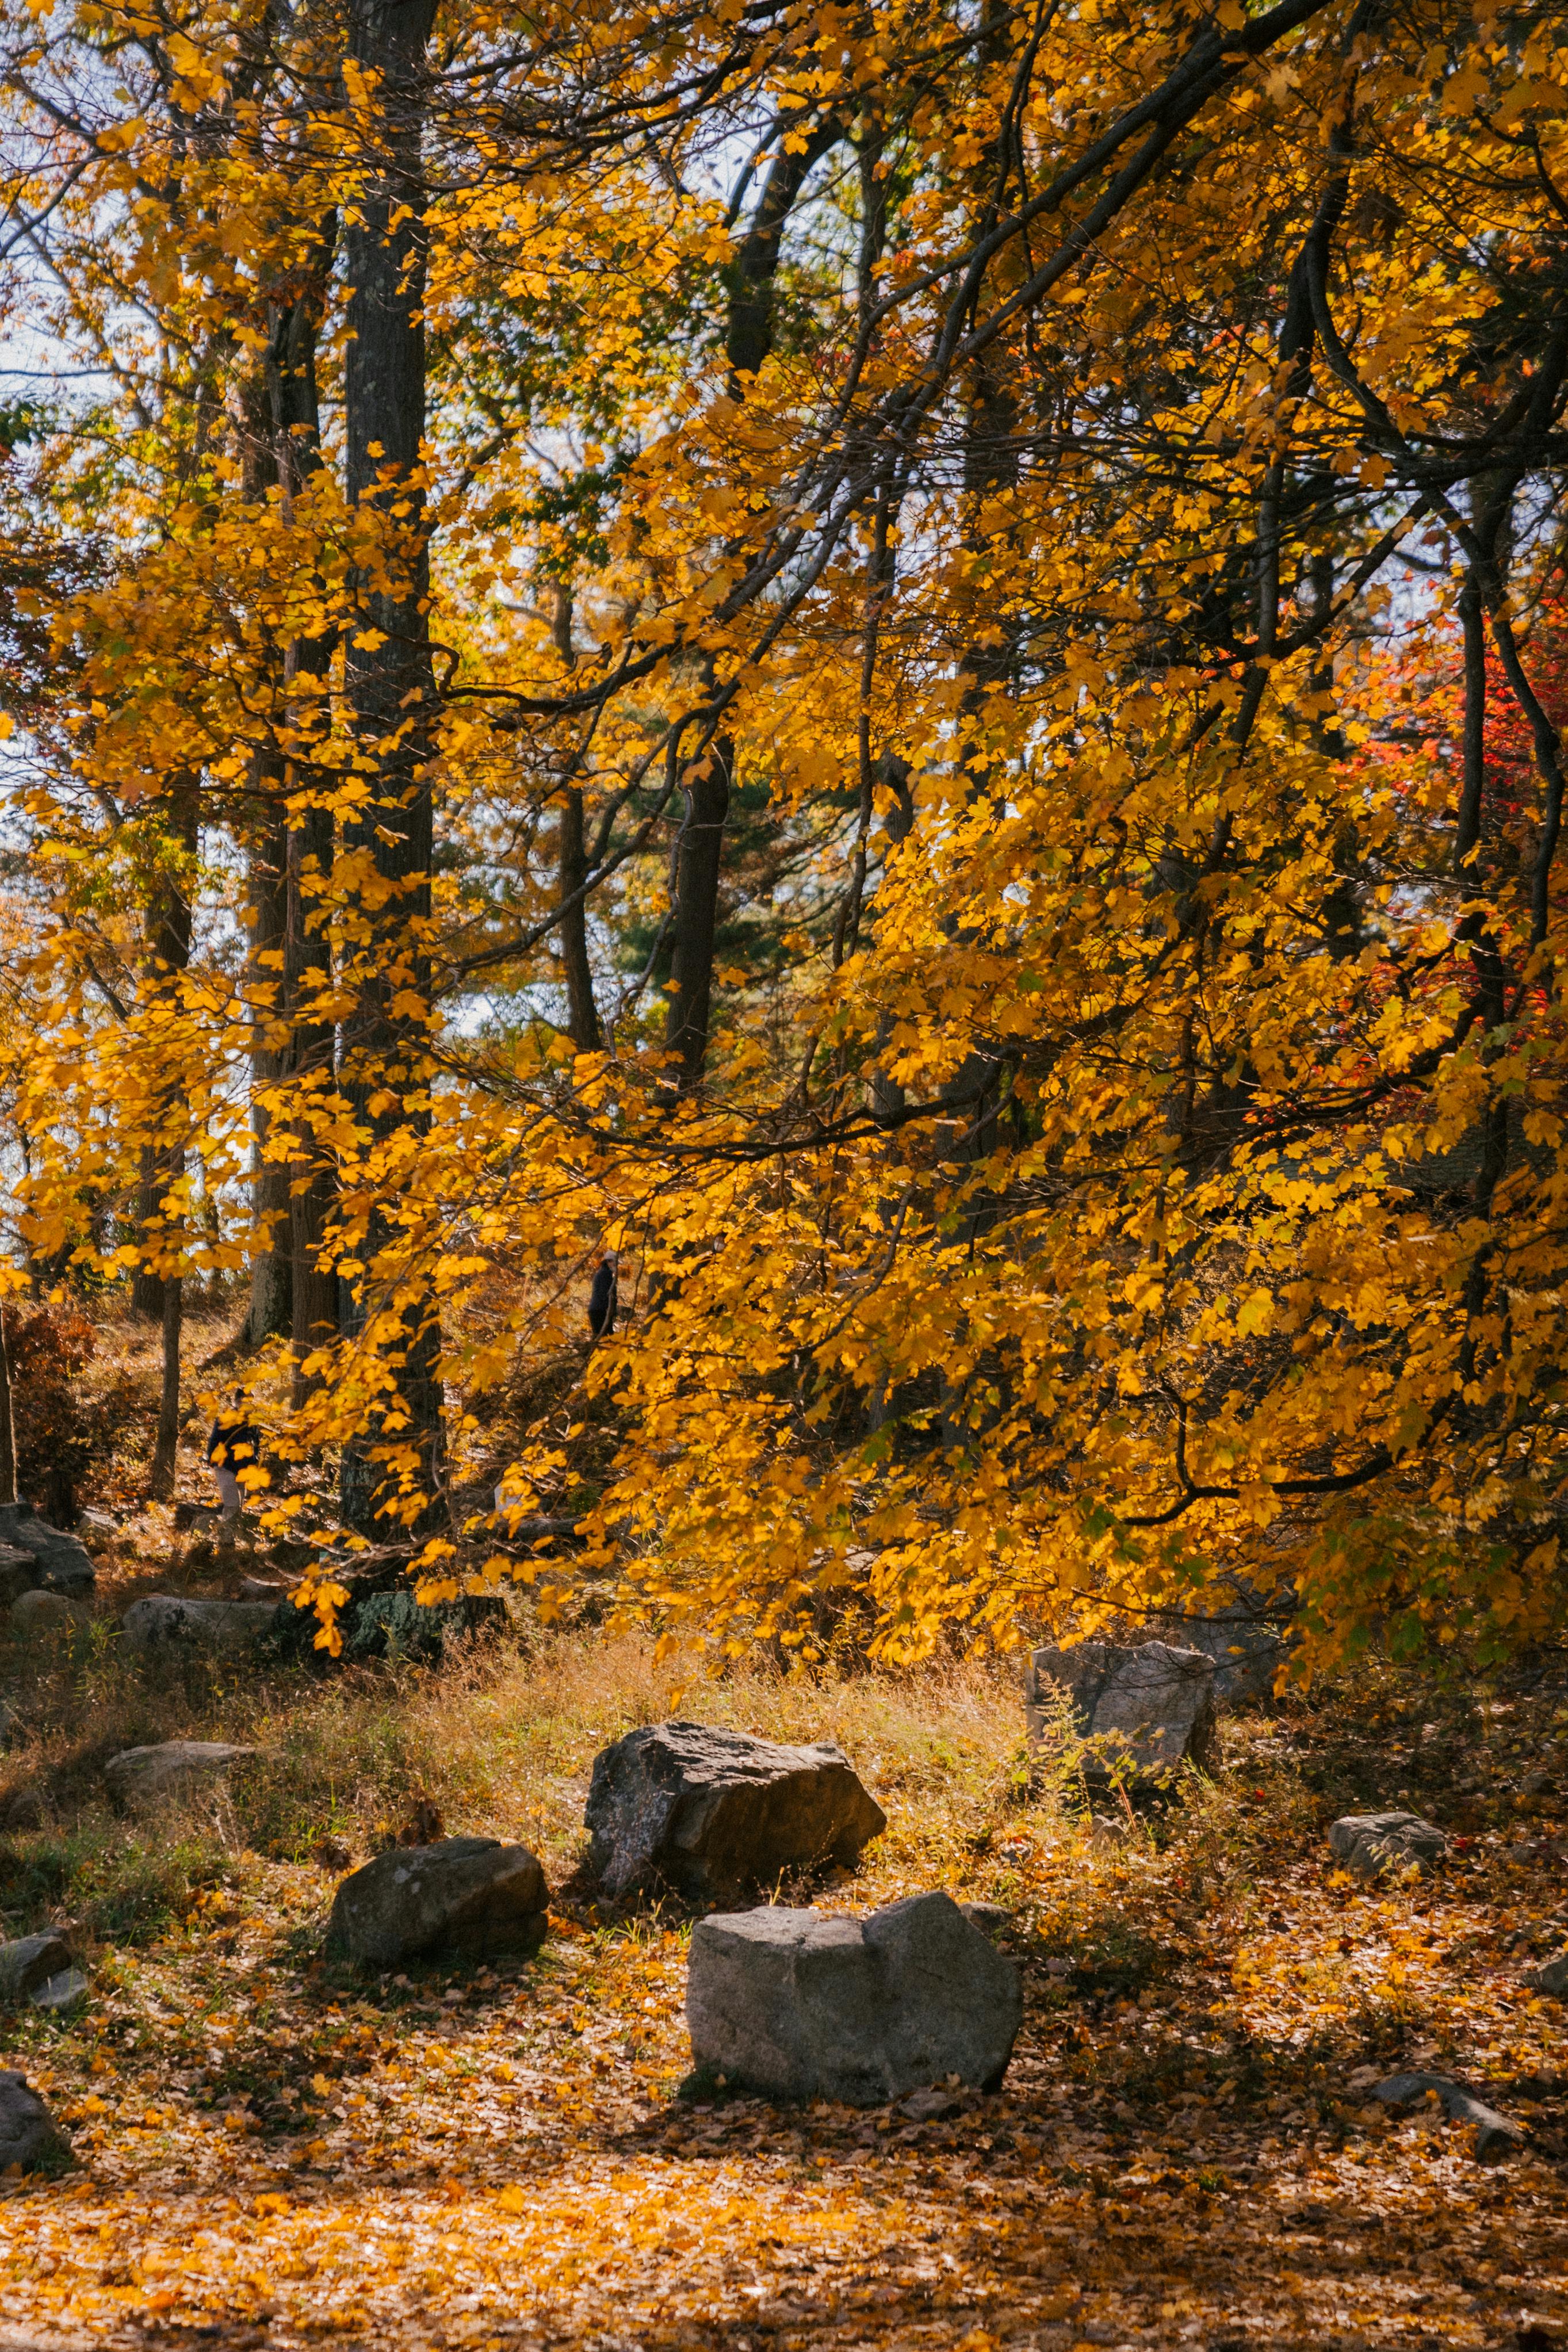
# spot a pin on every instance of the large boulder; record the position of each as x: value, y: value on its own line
x: 715, y: 1814
x: 1143, y: 1713
x: 803, y: 2005
x: 1372, y: 1844
x: 386, y: 1625
x: 470, y: 1897
x: 162, y: 1617
x: 62, y: 1562
x: 29, y: 2136
x: 29, y: 1963
x: 142, y: 1778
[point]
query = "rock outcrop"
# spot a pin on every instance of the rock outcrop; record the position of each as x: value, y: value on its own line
x: 141, y: 1778
x: 470, y: 1897
x: 1141, y: 1713
x: 800, y: 2004
x: 713, y: 1815
x: 1371, y: 1846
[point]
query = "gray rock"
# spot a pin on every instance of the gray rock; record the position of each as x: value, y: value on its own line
x: 1495, y: 2136
x: 61, y: 1992
x: 1247, y: 1652
x: 1369, y: 1844
x: 141, y: 1778
x: 796, y: 2004
x: 1551, y: 1975
x: 160, y: 1617
x: 29, y: 2136
x: 29, y: 1962
x: 930, y: 2107
x: 715, y: 1814
x: 18, y: 1573
x: 96, y: 1526
x: 1144, y: 1712
x: 471, y: 1896
x: 42, y: 1615
x: 63, y: 1566
x: 993, y: 1919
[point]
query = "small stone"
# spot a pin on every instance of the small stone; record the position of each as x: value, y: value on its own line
x: 930, y: 2107
x: 96, y: 1526
x: 801, y: 2004
x: 1143, y: 1713
x: 160, y: 1617
x: 993, y: 1919
x: 1369, y: 1844
x: 145, y: 1777
x: 1495, y: 2136
x: 715, y: 1814
x: 29, y: 2136
x: 29, y: 1962
x: 61, y: 1992
x: 41, y: 1615
x: 471, y: 1896
x: 1551, y: 1975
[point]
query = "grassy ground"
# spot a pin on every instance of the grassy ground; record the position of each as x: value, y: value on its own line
x: 280, y: 2150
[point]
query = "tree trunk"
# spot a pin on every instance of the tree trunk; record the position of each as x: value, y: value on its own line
x: 309, y: 848
x: 582, y: 1013
x: 7, y: 1421
x: 697, y: 915
x: 390, y: 690
x: 166, y: 1457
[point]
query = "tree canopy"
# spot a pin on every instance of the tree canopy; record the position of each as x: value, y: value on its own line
x: 902, y: 661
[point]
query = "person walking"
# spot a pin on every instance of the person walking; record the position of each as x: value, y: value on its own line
x: 234, y: 1446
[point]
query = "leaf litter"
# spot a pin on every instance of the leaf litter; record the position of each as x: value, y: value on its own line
x: 278, y: 2151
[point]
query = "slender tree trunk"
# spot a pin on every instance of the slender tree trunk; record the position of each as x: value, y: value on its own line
x: 166, y: 1457
x: 7, y: 1421
x: 697, y: 915
x: 388, y: 676
x: 582, y: 1013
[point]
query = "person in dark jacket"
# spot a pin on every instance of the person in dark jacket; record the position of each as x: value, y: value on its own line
x: 604, y: 1298
x: 234, y: 1446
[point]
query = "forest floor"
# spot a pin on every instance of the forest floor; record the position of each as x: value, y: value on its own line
x: 277, y: 2150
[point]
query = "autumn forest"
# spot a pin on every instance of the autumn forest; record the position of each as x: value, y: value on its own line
x: 781, y: 878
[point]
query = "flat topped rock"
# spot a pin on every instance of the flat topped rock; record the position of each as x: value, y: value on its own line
x: 713, y: 1814
x: 160, y: 1617
x: 1371, y: 1844
x: 1143, y: 1712
x: 29, y: 2136
x: 141, y: 1777
x: 803, y: 2004
x: 472, y: 1896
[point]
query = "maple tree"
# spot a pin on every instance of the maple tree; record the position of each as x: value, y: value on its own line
x: 812, y: 635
